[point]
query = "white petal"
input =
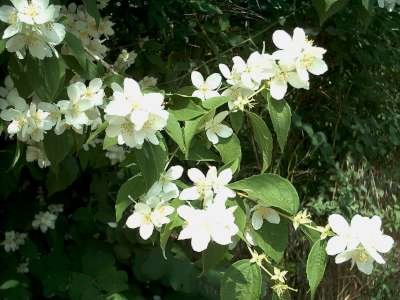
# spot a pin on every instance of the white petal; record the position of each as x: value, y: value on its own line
x: 220, y: 116
x: 185, y: 234
x: 342, y: 257
x: 225, y: 176
x: 199, y: 95
x: 224, y: 131
x: 174, y: 172
x: 189, y: 194
x: 196, y: 175
x: 384, y: 244
x: 134, y: 220
x: 11, y: 31
x: 278, y: 88
x: 132, y: 88
x: 338, y: 224
x: 318, y: 67
x: 211, y: 94
x: 272, y: 216
x: 213, y: 81
x: 224, y: 70
x: 95, y: 84
x: 197, y: 79
x: 186, y: 212
x: 336, y: 244
x: 212, y: 137
x: 146, y: 230
x: 281, y: 39
x: 200, y: 241
x: 257, y: 220
x: 365, y: 267
x: 299, y: 37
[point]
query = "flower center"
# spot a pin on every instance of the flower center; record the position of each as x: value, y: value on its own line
x: 32, y: 11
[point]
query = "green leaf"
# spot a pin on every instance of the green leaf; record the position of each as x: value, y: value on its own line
x: 236, y: 120
x: 316, y: 264
x: 212, y: 256
x: 230, y: 151
x: 175, y: 131
x: 263, y: 138
x: 327, y: 8
x: 272, y: 239
x: 98, y: 130
x: 20, y: 76
x: 131, y: 189
x: 57, y: 147
x: 192, y: 127
x: 2, y: 46
x: 215, y: 102
x: 91, y: 8
x: 151, y: 160
x: 65, y: 175
x: 281, y: 117
x: 87, y: 69
x: 242, y: 281
x: 270, y: 190
x: 9, y: 284
x: 185, y: 108
x: 47, y: 77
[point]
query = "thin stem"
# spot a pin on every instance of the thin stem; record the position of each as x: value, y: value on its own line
x: 102, y: 61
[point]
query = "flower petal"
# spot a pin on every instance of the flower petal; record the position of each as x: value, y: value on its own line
x: 197, y: 79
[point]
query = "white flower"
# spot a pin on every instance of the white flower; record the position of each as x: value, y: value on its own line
x: 34, y: 11
x: 389, y: 4
x: 134, y: 117
x: 116, y: 154
x: 147, y: 219
x: 215, y: 223
x: 358, y: 256
x: 38, y: 154
x: 157, y: 196
x: 300, y: 51
x: 23, y: 267
x: 208, y: 88
x: 362, y: 241
x: 44, y: 221
x: 94, y: 93
x: 5, y: 91
x: 56, y: 208
x: 13, y: 240
x: 206, y: 186
x: 39, y: 122
x: 214, y: 128
x: 9, y: 15
x: 261, y: 213
x: 239, y: 97
x: 167, y: 178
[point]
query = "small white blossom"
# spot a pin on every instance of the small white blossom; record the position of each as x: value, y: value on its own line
x: 215, y: 223
x: 116, y: 154
x: 389, y: 4
x: 261, y: 213
x: 215, y: 129
x: 208, y: 88
x: 13, y: 240
x: 56, y: 208
x: 206, y: 186
x: 148, y: 81
x: 167, y: 178
x: 239, y: 97
x: 146, y: 219
x: 44, y: 221
x: 124, y: 60
x: 23, y: 267
x: 37, y: 153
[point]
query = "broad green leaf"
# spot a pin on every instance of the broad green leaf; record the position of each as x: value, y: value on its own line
x: 130, y: 190
x: 66, y: 174
x: 2, y: 46
x: 272, y: 239
x: 91, y: 8
x: 263, y: 138
x: 86, y: 68
x: 185, y: 108
x: 9, y: 284
x: 327, y: 8
x: 242, y: 281
x: 212, y: 256
x: 151, y: 160
x: 270, y: 190
x: 281, y: 117
x: 193, y: 127
x: 20, y: 76
x: 236, y: 120
x: 316, y: 263
x: 175, y: 131
x: 57, y: 147
x: 215, y: 102
x: 230, y: 151
x: 200, y: 152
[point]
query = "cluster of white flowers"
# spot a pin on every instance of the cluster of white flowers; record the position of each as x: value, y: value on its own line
x: 291, y: 64
x: 213, y: 221
x: 31, y: 122
x: 153, y: 209
x: 46, y: 220
x: 134, y: 116
x: 84, y: 27
x: 389, y: 4
x: 361, y: 242
x: 32, y: 25
x: 13, y: 240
